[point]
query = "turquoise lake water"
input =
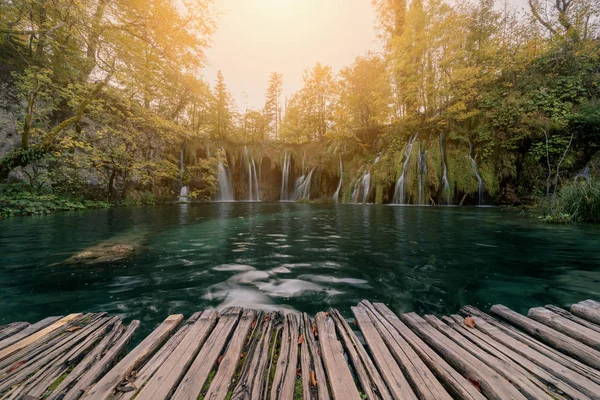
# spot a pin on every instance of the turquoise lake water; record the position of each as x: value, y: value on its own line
x: 294, y: 256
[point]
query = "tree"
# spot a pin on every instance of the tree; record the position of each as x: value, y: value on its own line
x: 222, y: 109
x: 272, y: 109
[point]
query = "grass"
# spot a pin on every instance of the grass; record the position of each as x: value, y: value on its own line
x: 575, y: 202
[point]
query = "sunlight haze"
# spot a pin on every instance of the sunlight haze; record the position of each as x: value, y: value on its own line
x: 257, y: 37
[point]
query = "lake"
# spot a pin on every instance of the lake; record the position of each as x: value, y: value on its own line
x: 294, y: 256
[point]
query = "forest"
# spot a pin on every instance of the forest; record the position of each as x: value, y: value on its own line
x: 473, y: 103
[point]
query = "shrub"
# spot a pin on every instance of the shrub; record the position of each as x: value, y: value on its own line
x: 581, y: 200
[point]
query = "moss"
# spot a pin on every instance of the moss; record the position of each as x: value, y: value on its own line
x: 298, y: 392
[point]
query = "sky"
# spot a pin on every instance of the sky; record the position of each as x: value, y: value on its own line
x: 257, y: 37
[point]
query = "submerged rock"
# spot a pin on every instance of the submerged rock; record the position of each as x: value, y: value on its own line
x: 115, y: 249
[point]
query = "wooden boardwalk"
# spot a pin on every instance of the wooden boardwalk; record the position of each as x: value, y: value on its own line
x: 244, y: 354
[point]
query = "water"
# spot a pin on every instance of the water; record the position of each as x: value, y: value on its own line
x: 253, y: 188
x: 445, y: 183
x: 298, y: 256
x: 302, y: 187
x: 422, y: 170
x: 399, y: 190
x: 285, y: 177
x: 184, y: 194
x: 224, y: 188
x: 336, y: 195
x: 479, y: 180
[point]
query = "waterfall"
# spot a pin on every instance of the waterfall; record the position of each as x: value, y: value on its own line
x: 362, y: 186
x: 224, y: 188
x: 476, y: 169
x: 253, y: 188
x: 445, y: 183
x: 400, y: 189
x: 302, y: 188
x: 285, y: 177
x: 183, y: 194
x: 336, y: 195
x: 422, y: 172
x: 185, y: 191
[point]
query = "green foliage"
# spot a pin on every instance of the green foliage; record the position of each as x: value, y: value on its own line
x: 580, y: 200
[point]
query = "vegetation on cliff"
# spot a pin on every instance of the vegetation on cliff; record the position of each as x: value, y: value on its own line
x: 467, y: 103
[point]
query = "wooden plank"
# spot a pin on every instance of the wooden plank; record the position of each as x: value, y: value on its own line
x: 287, y: 363
x: 389, y: 369
x: 455, y: 382
x: 103, y: 364
x: 158, y: 359
x: 422, y: 380
x: 304, y: 362
x: 86, y: 362
x: 571, y: 317
x: 29, y: 330
x: 340, y: 378
x: 519, y: 377
x: 55, y: 367
x: 195, y: 378
x: 20, y: 372
x: 492, y: 384
x: 508, y: 355
x: 109, y: 382
x: 12, y: 329
x: 577, y: 381
x: 168, y: 375
x: 370, y: 380
x: 4, y: 353
x: 537, y: 346
x: 319, y: 378
x: 252, y: 376
x: 219, y: 386
x: 574, y: 330
x: 559, y: 341
x: 272, y: 360
x: 588, y: 310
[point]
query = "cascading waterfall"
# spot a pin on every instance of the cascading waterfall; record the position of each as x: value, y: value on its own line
x: 224, y: 188
x: 422, y: 172
x: 445, y: 183
x: 285, y: 177
x: 399, y: 190
x: 476, y: 169
x: 253, y: 189
x: 185, y: 191
x: 336, y: 195
x: 302, y: 188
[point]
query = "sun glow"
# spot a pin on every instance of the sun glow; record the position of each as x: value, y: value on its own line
x: 256, y: 37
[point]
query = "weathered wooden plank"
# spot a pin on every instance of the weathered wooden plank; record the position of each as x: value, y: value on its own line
x: 337, y: 370
x: 492, y: 384
x: 508, y: 355
x: 578, y: 332
x: 577, y: 381
x: 455, y: 382
x: 103, y: 364
x: 12, y: 329
x: 304, y: 362
x: 519, y: 377
x: 19, y: 373
x: 272, y: 360
x: 37, y: 335
x: 424, y: 383
x: 158, y: 359
x: 588, y: 309
x: 87, y: 362
x: 319, y: 378
x: 29, y: 330
x: 53, y: 368
x: 109, y: 382
x: 573, y: 318
x: 537, y: 346
x: 165, y: 380
x: 250, y: 382
x: 390, y: 370
x: 195, y: 378
x: 287, y: 363
x: 558, y: 340
x: 219, y: 386
x: 370, y: 380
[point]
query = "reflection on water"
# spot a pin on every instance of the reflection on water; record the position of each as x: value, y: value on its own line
x: 294, y: 257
